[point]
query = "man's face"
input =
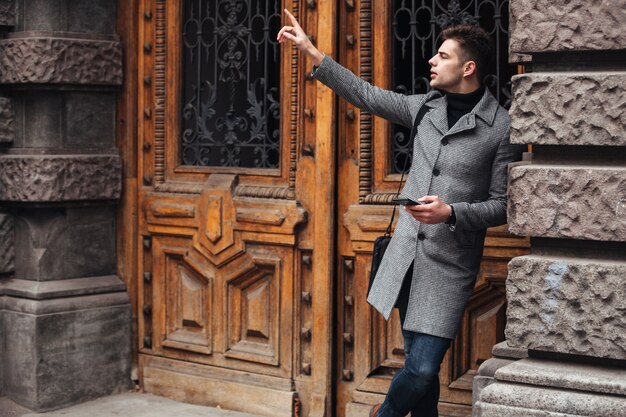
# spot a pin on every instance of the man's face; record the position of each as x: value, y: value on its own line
x: 446, y: 67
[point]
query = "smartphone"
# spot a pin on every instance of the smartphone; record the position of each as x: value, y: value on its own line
x: 407, y: 202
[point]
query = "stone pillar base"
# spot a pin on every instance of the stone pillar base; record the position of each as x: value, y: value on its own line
x: 533, y: 387
x: 66, y: 341
x: 503, y: 355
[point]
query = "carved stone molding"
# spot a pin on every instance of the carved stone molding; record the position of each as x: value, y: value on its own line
x: 540, y: 399
x: 7, y: 120
x: 7, y: 13
x: 50, y: 178
x: 563, y: 25
x: 56, y: 58
x: 36, y: 290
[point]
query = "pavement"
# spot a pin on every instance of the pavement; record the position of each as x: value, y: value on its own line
x: 135, y: 404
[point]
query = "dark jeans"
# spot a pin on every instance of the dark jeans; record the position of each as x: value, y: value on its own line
x: 415, y: 387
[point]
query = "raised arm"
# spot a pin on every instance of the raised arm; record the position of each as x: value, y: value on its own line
x: 392, y: 106
x: 295, y: 34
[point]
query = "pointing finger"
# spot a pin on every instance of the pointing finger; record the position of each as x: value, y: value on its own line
x: 293, y: 20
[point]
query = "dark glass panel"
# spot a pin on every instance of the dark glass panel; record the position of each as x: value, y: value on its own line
x: 231, y: 81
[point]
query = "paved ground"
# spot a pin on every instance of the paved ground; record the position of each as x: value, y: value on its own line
x: 131, y: 404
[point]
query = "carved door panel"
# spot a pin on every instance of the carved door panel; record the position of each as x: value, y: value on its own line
x: 236, y: 163
x: 389, y: 43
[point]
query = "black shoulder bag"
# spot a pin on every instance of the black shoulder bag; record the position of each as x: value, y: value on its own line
x: 381, y: 242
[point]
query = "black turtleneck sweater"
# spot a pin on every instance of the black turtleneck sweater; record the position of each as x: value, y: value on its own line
x: 461, y: 104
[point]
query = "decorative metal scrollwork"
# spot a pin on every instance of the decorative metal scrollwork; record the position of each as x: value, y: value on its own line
x: 416, y: 29
x: 231, y: 96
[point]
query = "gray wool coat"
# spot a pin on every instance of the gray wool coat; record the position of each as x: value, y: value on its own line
x: 466, y: 166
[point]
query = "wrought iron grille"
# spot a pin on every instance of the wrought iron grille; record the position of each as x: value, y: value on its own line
x: 230, y: 96
x: 416, y: 32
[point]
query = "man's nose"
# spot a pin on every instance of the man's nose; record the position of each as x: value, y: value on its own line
x: 431, y: 61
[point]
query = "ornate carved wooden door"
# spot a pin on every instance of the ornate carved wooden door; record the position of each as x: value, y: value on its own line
x: 259, y: 200
x: 389, y: 43
x: 236, y: 207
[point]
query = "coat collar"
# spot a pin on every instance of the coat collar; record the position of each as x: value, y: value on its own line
x: 485, y: 109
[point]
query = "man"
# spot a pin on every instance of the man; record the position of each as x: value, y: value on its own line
x: 459, y: 174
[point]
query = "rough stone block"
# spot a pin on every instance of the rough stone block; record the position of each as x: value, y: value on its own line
x: 90, y: 16
x: 574, y: 376
x: 7, y: 13
x: 566, y: 25
x: 568, y: 202
x: 7, y: 244
x: 46, y: 178
x: 515, y: 400
x: 63, y: 243
x: 569, y: 109
x: 66, y: 351
x: 7, y: 120
x: 41, y: 59
x: 573, y: 306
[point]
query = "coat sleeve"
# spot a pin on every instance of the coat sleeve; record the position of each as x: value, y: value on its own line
x: 395, y: 107
x: 491, y: 212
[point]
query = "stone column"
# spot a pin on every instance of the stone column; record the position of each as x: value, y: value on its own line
x: 7, y: 135
x: 64, y: 315
x: 567, y: 300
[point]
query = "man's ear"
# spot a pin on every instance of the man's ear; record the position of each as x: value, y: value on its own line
x: 469, y: 68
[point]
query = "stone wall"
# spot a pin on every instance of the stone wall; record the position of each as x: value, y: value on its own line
x: 64, y: 316
x: 567, y: 300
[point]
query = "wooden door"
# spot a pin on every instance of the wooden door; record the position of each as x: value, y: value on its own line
x: 252, y: 276
x: 235, y: 207
x: 388, y: 43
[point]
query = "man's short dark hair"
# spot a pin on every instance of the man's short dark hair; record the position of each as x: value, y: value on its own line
x: 475, y: 43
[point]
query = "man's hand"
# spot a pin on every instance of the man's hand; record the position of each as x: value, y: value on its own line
x: 435, y: 212
x: 295, y: 34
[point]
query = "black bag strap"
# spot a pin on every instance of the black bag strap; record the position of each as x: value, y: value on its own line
x: 418, y: 119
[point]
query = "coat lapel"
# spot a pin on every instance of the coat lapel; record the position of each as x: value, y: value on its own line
x: 486, y: 108
x: 439, y: 115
